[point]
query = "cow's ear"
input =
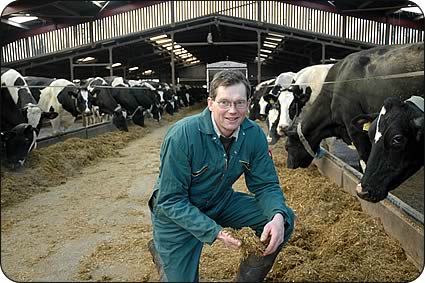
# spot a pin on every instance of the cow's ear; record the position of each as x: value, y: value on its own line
x: 418, y: 123
x: 363, y: 121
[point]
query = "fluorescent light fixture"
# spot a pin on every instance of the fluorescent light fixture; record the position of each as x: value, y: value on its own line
x: 98, y: 3
x: 180, y: 51
x: 273, y: 38
x: 264, y: 55
x: 158, y: 37
x: 176, y: 46
x: 276, y: 35
x: 269, y: 45
x: 166, y: 45
x: 116, y: 65
x: 266, y: 51
x: 22, y: 19
x: 148, y: 72
x: 163, y: 40
x: 133, y: 68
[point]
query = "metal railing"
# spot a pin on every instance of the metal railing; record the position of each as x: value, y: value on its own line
x: 171, y: 12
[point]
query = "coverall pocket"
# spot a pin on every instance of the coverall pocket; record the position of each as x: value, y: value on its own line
x: 245, y: 164
x: 198, y: 176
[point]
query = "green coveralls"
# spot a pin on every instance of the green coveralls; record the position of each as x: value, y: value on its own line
x: 193, y: 198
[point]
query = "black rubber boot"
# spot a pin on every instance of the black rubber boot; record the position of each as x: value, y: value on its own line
x: 157, y: 261
x: 255, y: 268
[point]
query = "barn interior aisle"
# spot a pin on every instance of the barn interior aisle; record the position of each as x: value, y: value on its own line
x: 91, y: 222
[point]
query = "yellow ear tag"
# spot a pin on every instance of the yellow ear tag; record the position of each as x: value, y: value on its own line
x: 271, y: 101
x: 366, y: 126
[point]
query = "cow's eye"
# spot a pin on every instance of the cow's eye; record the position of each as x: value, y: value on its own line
x: 398, y: 140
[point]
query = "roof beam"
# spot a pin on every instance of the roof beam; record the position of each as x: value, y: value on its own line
x: 218, y: 43
x: 18, y: 7
x: 66, y: 10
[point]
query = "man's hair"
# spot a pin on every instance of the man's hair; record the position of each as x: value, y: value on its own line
x: 228, y: 78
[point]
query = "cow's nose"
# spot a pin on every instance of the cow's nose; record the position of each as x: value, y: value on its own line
x: 360, y: 192
x: 87, y: 112
x: 281, y: 130
x: 262, y: 117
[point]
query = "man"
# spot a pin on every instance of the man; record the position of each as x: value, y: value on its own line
x: 201, y: 157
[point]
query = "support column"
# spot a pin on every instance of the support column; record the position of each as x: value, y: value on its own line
x: 71, y: 68
x: 173, y: 75
x: 258, y: 57
x: 323, y: 53
x: 111, y: 72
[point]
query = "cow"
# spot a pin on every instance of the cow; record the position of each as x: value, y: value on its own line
x: 165, y: 95
x: 17, y: 88
x: 148, y: 99
x: 101, y: 97
x: 281, y: 85
x: 63, y: 97
x: 357, y: 84
x: 17, y: 138
x: 397, y: 137
x: 121, y: 92
x: 21, y: 119
x: 302, y: 93
x: 258, y: 107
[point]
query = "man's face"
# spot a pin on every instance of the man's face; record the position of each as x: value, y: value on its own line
x: 229, y: 107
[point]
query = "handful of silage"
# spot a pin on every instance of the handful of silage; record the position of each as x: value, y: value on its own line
x: 250, y: 243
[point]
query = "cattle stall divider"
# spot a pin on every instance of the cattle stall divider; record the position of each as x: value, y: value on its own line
x: 400, y: 221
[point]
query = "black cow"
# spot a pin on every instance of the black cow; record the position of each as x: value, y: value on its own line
x: 360, y: 84
x: 101, y: 96
x: 397, y: 137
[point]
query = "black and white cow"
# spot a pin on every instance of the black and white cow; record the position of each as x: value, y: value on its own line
x: 397, y: 137
x: 303, y: 92
x: 65, y: 98
x: 357, y: 84
x: 21, y: 119
x: 282, y: 84
x: 121, y: 92
x: 148, y: 99
x: 258, y: 106
x: 101, y: 97
x: 17, y: 87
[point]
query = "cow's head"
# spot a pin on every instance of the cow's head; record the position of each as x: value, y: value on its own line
x: 35, y: 116
x: 119, y: 119
x: 296, y: 144
x: 83, y: 103
x: 291, y: 101
x: 17, y: 143
x: 397, y: 138
x: 138, y: 117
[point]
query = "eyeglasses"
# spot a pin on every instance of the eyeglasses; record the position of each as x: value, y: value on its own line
x: 226, y: 104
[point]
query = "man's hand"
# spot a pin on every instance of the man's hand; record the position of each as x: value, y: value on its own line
x: 276, y: 230
x: 228, y: 240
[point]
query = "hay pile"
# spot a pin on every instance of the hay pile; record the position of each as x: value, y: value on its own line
x: 250, y: 243
x: 333, y: 239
